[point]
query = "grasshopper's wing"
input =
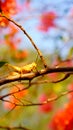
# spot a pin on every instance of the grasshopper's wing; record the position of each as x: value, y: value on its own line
x: 15, y: 68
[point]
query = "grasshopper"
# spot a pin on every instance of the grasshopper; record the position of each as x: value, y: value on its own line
x: 24, y: 69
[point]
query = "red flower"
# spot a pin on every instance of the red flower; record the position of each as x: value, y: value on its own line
x: 63, y: 119
x: 47, y: 21
x: 70, y: 87
x: 47, y: 107
x: 8, y: 7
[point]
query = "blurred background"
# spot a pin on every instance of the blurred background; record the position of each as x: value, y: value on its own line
x: 50, y: 24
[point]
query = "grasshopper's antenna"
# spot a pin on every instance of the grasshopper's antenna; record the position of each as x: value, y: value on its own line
x: 36, y: 58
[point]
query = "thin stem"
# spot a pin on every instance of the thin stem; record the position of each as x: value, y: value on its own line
x: 41, y: 103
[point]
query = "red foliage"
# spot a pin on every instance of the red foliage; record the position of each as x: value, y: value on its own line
x: 63, y: 119
x: 47, y: 21
x: 67, y: 63
x: 53, y: 76
x: 47, y: 107
x: 8, y: 7
x: 14, y: 99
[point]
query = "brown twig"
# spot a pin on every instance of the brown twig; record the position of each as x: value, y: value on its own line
x: 11, y: 93
x: 41, y: 103
x: 31, y: 40
x: 13, y: 128
x: 32, y: 75
x: 60, y: 80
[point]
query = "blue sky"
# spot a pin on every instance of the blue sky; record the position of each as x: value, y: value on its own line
x: 48, y: 41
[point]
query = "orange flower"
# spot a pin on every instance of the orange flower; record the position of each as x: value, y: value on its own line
x: 11, y: 38
x: 12, y: 30
x: 21, y: 54
x: 17, y: 95
x: 3, y: 22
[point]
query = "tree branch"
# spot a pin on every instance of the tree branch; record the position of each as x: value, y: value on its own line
x: 62, y: 79
x: 29, y: 76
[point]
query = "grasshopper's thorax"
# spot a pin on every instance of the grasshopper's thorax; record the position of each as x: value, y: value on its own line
x: 29, y: 68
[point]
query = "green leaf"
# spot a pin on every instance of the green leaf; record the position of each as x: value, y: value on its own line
x: 2, y: 63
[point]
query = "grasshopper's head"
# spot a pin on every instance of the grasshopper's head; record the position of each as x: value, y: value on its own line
x: 33, y: 65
